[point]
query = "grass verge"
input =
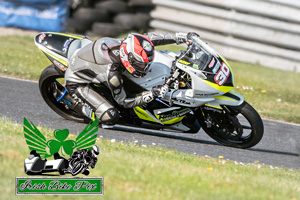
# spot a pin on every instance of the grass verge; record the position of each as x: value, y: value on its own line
x: 135, y: 172
x: 273, y: 93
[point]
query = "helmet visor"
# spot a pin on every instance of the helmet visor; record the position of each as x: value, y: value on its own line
x: 140, y: 67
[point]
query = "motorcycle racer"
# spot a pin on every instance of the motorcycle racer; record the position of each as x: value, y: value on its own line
x: 104, y: 61
x: 82, y: 159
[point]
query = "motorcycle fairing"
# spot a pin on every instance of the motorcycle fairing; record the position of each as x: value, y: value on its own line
x: 231, y: 98
x: 145, y: 115
x: 163, y: 116
x: 59, y: 47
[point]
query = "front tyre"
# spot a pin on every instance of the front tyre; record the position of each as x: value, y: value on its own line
x: 49, y: 77
x: 236, y: 126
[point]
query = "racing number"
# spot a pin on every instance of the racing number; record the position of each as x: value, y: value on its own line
x: 222, y: 74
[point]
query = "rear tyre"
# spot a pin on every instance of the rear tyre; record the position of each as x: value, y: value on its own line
x: 47, y: 78
x: 238, y: 126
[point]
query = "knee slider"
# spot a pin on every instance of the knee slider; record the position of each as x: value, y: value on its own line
x: 111, y: 116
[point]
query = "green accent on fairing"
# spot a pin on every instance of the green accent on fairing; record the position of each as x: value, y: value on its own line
x: 142, y: 114
x: 224, y: 98
x: 224, y: 89
x: 217, y: 107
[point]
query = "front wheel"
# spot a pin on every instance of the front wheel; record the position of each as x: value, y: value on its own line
x: 235, y: 126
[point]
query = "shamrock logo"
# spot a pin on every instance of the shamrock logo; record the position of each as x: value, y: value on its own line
x: 36, y: 140
x: 60, y: 145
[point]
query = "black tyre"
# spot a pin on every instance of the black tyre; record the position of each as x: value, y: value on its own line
x: 125, y: 19
x: 78, y: 25
x: 91, y: 15
x: 238, y: 126
x: 109, y: 29
x: 113, y: 6
x: 61, y: 172
x: 78, y: 168
x: 74, y: 4
x: 140, y: 3
x: 136, y: 21
x: 47, y: 78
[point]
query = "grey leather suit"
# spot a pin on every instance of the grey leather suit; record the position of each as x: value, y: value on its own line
x: 99, y: 62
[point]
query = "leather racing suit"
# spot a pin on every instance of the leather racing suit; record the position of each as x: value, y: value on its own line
x: 99, y: 62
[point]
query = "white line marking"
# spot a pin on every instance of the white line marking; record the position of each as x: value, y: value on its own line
x: 18, y: 79
x: 282, y: 122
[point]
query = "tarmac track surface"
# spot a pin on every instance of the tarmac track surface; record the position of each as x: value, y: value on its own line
x: 280, y: 145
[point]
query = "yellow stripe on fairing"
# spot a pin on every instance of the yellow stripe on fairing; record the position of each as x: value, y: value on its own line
x: 56, y: 58
x: 224, y: 98
x: 68, y: 35
x: 143, y: 115
x: 224, y: 89
x: 171, y: 121
x: 214, y: 106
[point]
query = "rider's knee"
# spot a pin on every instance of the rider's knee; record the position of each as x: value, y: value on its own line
x: 110, y: 116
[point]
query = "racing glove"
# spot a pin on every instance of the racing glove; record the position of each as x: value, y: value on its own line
x: 160, y: 91
x: 190, y: 35
x: 180, y: 37
x: 184, y: 37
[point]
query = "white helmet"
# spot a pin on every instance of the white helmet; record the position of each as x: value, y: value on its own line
x: 95, y: 150
x: 137, y: 54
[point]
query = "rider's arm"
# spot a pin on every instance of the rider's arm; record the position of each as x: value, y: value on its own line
x: 115, y: 83
x: 166, y: 38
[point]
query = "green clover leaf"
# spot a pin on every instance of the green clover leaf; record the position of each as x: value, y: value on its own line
x: 61, y: 135
x: 59, y: 145
x: 54, y: 146
x: 69, y: 146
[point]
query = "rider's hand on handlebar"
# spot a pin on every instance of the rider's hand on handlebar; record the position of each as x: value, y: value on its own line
x: 185, y: 37
x: 190, y: 35
x: 181, y: 37
x: 160, y: 90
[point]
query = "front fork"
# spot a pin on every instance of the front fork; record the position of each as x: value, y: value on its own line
x: 223, y: 120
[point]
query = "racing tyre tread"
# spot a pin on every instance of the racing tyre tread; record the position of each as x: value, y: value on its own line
x: 257, y: 127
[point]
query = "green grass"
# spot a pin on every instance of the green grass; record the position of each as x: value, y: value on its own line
x: 19, y: 57
x: 134, y: 172
x: 273, y: 93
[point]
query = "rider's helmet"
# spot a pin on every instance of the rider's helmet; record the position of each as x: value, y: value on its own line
x: 137, y: 54
x: 95, y: 151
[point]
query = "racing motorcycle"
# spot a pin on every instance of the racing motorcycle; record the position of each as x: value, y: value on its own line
x: 200, y: 95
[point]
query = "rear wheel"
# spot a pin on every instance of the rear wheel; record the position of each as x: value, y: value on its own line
x: 237, y: 126
x: 49, y: 77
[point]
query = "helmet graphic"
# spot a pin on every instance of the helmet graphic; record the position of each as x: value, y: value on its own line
x: 137, y: 54
x: 95, y: 150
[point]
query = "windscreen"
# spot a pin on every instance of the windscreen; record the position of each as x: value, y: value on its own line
x: 197, y: 57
